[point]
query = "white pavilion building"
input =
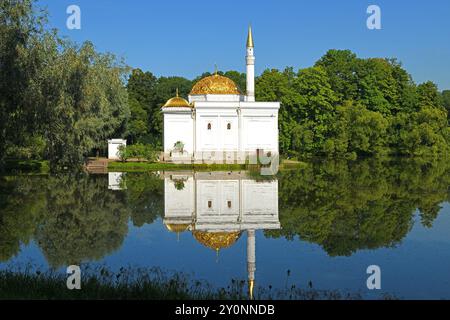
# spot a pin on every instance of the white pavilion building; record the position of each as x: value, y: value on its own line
x: 218, y: 122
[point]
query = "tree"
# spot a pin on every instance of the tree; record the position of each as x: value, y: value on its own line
x: 138, y: 123
x: 423, y: 133
x: 358, y: 132
x: 376, y: 86
x: 314, y: 111
x: 428, y: 95
x: 341, y: 67
x: 446, y: 99
x: 84, y: 102
x: 22, y: 57
x: 141, y: 94
x: 446, y: 102
x: 71, y: 96
x: 274, y: 85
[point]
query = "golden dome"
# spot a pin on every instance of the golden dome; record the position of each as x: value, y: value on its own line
x: 215, y: 84
x: 177, y: 227
x: 177, y: 102
x: 216, y: 240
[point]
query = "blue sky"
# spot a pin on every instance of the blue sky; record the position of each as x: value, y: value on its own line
x: 187, y: 38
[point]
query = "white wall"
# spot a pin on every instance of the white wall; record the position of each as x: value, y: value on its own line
x: 179, y: 204
x: 254, y: 125
x: 260, y: 132
x: 218, y: 193
x: 219, y: 137
x: 113, y: 148
x: 178, y: 127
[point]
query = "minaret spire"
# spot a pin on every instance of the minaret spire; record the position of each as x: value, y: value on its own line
x: 250, y: 37
x: 250, y: 62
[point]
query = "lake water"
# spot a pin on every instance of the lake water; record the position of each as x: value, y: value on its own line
x: 321, y: 225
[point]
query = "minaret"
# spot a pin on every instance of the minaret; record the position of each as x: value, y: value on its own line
x: 251, y: 261
x: 250, y: 61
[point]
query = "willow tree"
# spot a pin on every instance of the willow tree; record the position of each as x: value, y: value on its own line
x: 21, y: 61
x: 71, y: 96
x: 84, y: 102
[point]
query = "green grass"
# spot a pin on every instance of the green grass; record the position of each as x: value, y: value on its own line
x: 27, y: 166
x: 144, y: 283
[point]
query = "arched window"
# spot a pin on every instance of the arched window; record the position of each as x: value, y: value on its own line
x: 228, y: 126
x: 209, y: 204
x: 209, y: 126
x: 229, y: 204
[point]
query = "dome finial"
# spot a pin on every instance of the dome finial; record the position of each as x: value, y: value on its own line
x: 250, y: 37
x: 177, y: 92
x: 215, y: 69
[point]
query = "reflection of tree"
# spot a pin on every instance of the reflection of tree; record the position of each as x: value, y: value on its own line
x: 83, y: 220
x: 368, y: 204
x: 21, y: 201
x: 74, y: 218
x: 145, y: 197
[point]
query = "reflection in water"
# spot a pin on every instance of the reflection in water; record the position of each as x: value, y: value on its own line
x: 72, y: 218
x: 349, y: 206
x: 116, y: 181
x: 344, y: 207
x: 217, y: 207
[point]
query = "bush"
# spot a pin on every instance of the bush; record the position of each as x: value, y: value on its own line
x: 138, y: 151
x: 33, y: 148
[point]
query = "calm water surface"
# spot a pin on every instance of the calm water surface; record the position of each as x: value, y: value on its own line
x: 323, y: 224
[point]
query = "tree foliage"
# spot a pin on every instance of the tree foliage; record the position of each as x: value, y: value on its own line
x: 71, y: 96
x: 351, y: 107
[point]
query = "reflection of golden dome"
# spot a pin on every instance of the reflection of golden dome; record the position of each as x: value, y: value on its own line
x: 215, y: 84
x: 216, y: 240
x: 177, y: 227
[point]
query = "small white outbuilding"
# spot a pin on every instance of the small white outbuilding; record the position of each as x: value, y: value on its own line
x: 113, y: 147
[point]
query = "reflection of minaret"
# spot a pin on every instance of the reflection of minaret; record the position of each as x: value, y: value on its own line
x: 251, y: 261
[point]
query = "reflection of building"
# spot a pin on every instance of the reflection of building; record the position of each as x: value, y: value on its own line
x: 217, y: 207
x: 219, y: 122
x: 115, y: 181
